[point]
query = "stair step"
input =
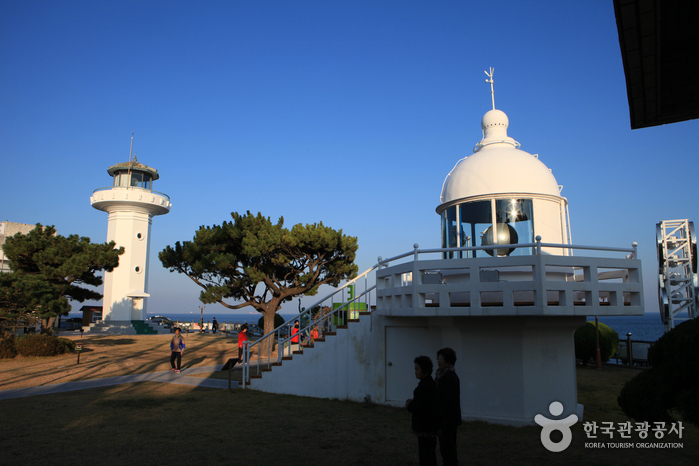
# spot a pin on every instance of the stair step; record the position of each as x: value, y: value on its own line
x: 341, y: 326
x: 353, y: 320
x: 297, y: 352
x: 320, y: 339
x: 276, y: 364
x: 364, y: 313
x: 258, y: 376
x: 330, y: 333
x: 286, y: 358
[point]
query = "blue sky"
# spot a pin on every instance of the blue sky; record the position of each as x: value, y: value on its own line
x: 350, y: 113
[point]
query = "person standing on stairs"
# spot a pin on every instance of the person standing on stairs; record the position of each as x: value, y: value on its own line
x: 295, y: 337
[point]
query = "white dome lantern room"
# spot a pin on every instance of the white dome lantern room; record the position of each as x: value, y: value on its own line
x: 502, y: 189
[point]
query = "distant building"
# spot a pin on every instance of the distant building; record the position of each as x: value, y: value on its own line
x: 8, y: 229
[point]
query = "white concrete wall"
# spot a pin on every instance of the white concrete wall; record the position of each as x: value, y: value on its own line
x: 124, y: 227
x: 511, y: 368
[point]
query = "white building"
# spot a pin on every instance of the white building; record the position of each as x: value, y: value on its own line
x: 509, y: 313
x: 8, y: 229
x: 131, y: 204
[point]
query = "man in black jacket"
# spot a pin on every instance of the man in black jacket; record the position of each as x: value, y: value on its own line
x: 424, y: 405
x: 449, y: 389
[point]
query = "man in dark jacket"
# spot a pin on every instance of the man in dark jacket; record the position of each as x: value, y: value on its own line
x: 449, y: 389
x: 424, y: 405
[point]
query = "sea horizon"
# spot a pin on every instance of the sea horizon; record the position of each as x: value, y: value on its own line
x: 647, y: 327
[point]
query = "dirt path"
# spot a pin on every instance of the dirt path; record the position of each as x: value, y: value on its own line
x: 109, y: 356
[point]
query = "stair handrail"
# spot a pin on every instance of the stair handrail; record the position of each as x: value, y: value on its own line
x: 321, y: 318
x: 281, y: 341
x: 247, y: 348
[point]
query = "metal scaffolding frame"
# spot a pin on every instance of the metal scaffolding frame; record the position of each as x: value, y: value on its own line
x: 677, y: 271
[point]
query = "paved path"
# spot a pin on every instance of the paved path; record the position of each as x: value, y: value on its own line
x: 165, y: 377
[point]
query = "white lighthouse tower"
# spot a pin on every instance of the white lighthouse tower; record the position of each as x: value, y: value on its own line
x: 131, y: 204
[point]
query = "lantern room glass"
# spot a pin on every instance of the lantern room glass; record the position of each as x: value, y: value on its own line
x: 517, y: 213
x: 133, y: 179
x: 471, y: 224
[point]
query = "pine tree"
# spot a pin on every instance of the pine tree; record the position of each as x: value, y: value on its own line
x: 261, y: 264
x: 49, y: 270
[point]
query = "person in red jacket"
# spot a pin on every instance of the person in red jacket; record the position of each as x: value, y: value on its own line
x: 295, y: 333
x: 242, y: 338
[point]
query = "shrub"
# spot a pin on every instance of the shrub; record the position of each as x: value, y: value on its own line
x: 7, y: 347
x: 642, y: 400
x: 68, y: 344
x: 39, y: 345
x: 586, y: 342
x: 671, y: 383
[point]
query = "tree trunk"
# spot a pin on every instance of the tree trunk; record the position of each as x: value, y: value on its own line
x: 47, y: 323
x: 265, y: 347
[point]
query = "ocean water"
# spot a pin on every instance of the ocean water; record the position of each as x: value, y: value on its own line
x: 250, y: 318
x: 647, y: 327
x: 235, y: 318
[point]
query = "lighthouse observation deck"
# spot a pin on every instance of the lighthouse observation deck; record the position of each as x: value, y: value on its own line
x: 120, y: 197
x: 539, y: 284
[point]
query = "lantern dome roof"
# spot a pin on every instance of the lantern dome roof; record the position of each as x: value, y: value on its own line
x: 497, y: 166
x: 135, y: 166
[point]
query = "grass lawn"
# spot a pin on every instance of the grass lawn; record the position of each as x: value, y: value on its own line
x: 157, y: 423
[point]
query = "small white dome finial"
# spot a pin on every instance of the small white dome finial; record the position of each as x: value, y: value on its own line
x: 490, y: 80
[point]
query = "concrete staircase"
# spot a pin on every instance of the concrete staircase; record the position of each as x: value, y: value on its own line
x: 326, y: 356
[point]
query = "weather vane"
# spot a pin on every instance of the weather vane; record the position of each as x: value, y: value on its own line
x: 490, y: 80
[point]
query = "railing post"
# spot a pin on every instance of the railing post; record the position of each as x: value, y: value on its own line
x: 629, y: 349
x: 246, y: 370
x: 634, y: 245
x: 416, y: 275
x: 538, y: 245
x: 280, y: 350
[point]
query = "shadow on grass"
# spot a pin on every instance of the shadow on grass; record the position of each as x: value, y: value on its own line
x: 114, y: 342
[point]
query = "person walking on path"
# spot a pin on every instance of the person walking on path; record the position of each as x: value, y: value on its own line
x: 214, y: 326
x: 242, y: 338
x: 449, y: 389
x: 176, y: 349
x: 424, y: 405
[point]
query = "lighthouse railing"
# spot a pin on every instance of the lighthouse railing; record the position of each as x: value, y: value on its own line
x: 535, y: 284
x: 131, y: 188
